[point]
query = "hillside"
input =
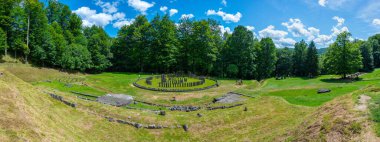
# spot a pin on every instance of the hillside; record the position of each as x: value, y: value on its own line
x: 31, y: 114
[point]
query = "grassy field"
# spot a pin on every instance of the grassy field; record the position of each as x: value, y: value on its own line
x: 278, y: 107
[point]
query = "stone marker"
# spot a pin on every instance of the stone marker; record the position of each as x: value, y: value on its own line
x: 323, y: 91
x: 185, y: 127
x: 199, y: 115
x: 163, y: 113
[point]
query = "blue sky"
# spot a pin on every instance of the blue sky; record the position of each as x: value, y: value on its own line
x: 286, y: 21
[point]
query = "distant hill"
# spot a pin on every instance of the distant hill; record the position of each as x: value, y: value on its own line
x: 322, y: 50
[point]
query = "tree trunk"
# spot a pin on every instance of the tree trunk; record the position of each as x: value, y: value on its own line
x: 27, y: 40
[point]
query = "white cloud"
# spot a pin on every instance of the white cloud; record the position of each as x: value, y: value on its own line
x: 163, y: 9
x: 90, y: 17
x: 298, y: 29
x: 225, y: 29
x: 187, y: 16
x: 325, y: 40
x: 140, y: 5
x: 278, y: 36
x: 226, y: 16
x: 251, y: 28
x: 107, y: 7
x: 322, y: 2
x: 224, y: 2
x: 336, y: 4
x: 339, y: 20
x: 118, y: 15
x: 337, y: 29
x: 173, y: 11
x: 376, y: 22
x: 122, y: 23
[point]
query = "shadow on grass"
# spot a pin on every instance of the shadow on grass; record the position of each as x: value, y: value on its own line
x: 339, y: 80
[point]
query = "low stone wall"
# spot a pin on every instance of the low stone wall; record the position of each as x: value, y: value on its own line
x: 223, y: 107
x: 242, y: 95
x: 60, y: 98
x: 175, y: 90
x: 185, y: 108
x: 83, y: 94
x: 140, y: 125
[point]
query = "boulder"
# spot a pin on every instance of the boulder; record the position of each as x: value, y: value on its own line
x: 185, y: 127
x: 320, y: 91
x: 199, y: 115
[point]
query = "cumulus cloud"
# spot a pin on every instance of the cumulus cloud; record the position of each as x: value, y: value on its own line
x: 107, y: 7
x: 163, y: 9
x: 122, y: 23
x: 336, y: 4
x: 173, y: 11
x: 90, y: 17
x: 187, y: 16
x: 325, y: 40
x: 278, y: 36
x: 225, y: 29
x: 338, y: 28
x: 251, y: 28
x: 298, y: 29
x: 140, y: 5
x: 226, y: 16
x: 322, y: 2
x: 224, y: 2
x: 376, y: 22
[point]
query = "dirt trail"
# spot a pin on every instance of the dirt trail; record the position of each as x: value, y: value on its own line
x: 363, y: 103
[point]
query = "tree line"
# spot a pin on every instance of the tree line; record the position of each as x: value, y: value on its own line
x: 53, y: 36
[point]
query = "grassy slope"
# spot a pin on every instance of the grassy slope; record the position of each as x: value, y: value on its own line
x: 266, y: 119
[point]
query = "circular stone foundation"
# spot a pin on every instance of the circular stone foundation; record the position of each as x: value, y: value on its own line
x: 174, y: 83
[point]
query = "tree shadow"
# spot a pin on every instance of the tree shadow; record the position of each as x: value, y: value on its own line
x: 340, y: 80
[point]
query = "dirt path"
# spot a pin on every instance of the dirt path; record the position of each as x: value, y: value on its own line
x: 368, y: 135
x: 363, y: 103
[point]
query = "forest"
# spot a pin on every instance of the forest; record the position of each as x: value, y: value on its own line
x: 51, y: 35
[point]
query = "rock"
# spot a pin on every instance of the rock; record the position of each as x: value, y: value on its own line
x: 199, y: 115
x: 152, y: 126
x: 185, y: 127
x: 138, y: 125
x: 129, y: 117
x: 163, y: 113
x: 320, y: 91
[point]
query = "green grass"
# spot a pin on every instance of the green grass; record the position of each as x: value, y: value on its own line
x: 72, y: 87
x: 310, y: 97
x: 279, y: 107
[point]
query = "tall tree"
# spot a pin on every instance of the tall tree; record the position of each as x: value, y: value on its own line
x: 165, y: 43
x: 3, y: 41
x: 241, y: 52
x: 18, y: 30
x: 99, y: 44
x: 375, y: 43
x: 299, y: 58
x: 185, y: 30
x: 76, y: 57
x: 266, y: 58
x: 203, y: 51
x: 366, y: 52
x: 342, y: 56
x: 284, y: 63
x: 312, y: 61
